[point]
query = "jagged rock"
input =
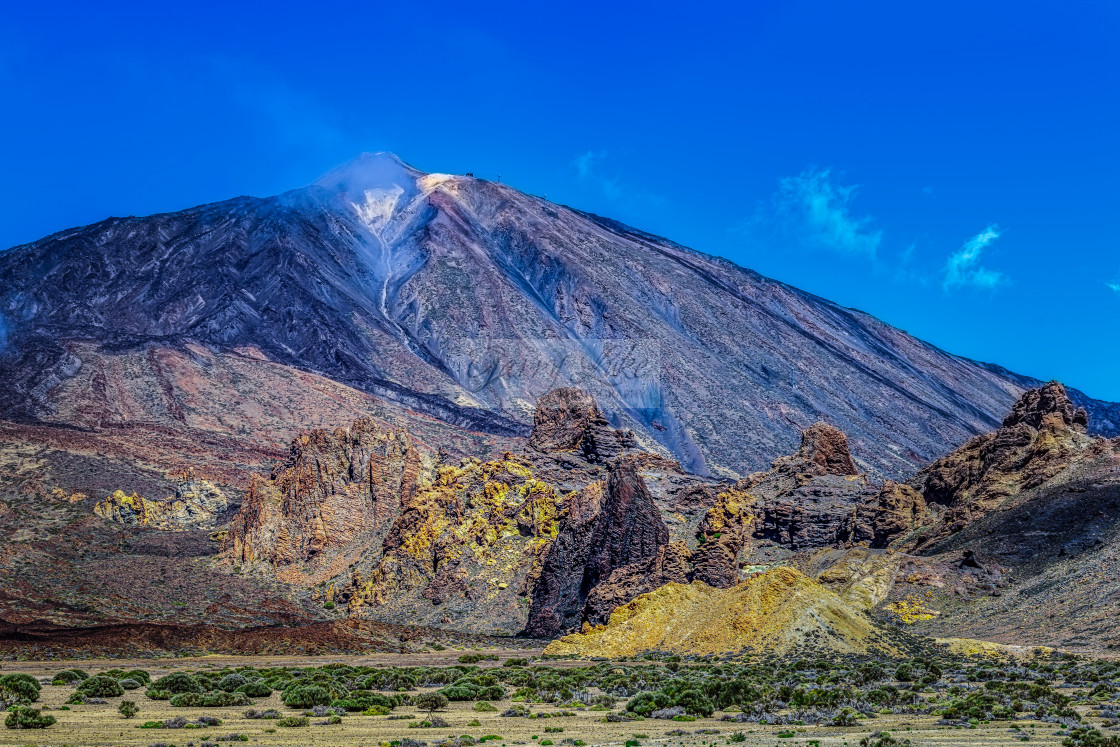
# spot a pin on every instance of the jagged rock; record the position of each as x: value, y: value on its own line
x: 197, y: 502
x: 597, y: 536
x: 726, y: 528
x: 826, y: 447
x: 466, y: 549
x: 332, y: 489
x: 1039, y: 439
x: 894, y: 512
x: 569, y: 420
x: 669, y: 565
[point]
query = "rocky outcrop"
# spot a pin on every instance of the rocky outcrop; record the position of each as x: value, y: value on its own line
x: 1041, y: 437
x: 196, y: 503
x: 335, y: 491
x: 600, y: 533
x: 569, y: 420
x: 464, y: 552
x: 897, y: 510
x: 775, y: 612
x: 670, y: 564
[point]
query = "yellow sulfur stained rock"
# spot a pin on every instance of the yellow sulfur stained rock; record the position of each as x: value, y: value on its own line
x: 776, y: 611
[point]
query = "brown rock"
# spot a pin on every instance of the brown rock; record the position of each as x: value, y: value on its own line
x: 1041, y: 437
x: 332, y: 489
x: 627, y: 529
x: 827, y: 447
x: 569, y: 420
x: 895, y: 511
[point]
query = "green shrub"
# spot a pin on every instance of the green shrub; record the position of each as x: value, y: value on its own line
x: 101, y: 687
x: 76, y: 698
x: 231, y: 682
x: 179, y: 682
x: 293, y: 721
x: 21, y: 717
x: 646, y: 703
x: 68, y: 677
x: 23, y: 685
x: 695, y: 702
x: 306, y: 696
x: 484, y: 706
x: 255, y: 690
x: 128, y: 709
x: 130, y: 684
x: 214, y: 699
x: 430, y: 702
x: 139, y: 675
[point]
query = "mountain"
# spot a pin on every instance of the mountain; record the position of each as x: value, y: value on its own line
x: 224, y: 328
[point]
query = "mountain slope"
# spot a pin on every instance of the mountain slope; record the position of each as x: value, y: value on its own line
x: 466, y: 300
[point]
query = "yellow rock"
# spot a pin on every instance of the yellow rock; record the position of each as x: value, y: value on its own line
x: 774, y: 612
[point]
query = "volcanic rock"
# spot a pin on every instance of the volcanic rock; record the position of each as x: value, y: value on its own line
x: 774, y: 612
x: 1041, y: 437
x: 569, y: 420
x: 196, y: 502
x: 897, y: 510
x: 600, y: 534
x: 333, y: 489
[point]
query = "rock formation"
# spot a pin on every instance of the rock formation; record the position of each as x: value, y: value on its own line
x: 335, y: 491
x: 602, y: 531
x: 1041, y: 437
x: 196, y: 503
x: 569, y: 420
x: 775, y: 612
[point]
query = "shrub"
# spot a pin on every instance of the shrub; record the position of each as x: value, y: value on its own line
x: 483, y: 706
x: 646, y: 703
x: 21, y: 717
x: 179, y: 682
x: 306, y: 696
x: 69, y: 677
x: 101, y: 687
x: 430, y: 702
x: 23, y: 685
x: 130, y: 684
x: 231, y: 682
x: 695, y: 702
x: 215, y: 699
x: 255, y: 690
x: 293, y: 721
x: 128, y: 709
x: 76, y: 698
x: 882, y: 739
x: 139, y: 675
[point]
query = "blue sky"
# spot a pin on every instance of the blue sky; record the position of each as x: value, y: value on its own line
x: 947, y: 166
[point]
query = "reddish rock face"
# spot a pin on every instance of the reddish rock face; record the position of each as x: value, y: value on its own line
x: 1042, y: 436
x: 333, y: 489
x: 569, y: 420
x: 827, y: 447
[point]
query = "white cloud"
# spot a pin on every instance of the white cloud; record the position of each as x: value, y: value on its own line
x: 963, y: 269
x: 812, y: 211
x: 1114, y: 285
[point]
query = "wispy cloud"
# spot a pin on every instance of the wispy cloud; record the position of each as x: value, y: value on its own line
x: 963, y: 268
x: 1114, y: 285
x: 813, y: 211
x: 590, y: 169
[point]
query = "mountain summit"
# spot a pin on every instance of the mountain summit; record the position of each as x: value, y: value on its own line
x: 465, y: 300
